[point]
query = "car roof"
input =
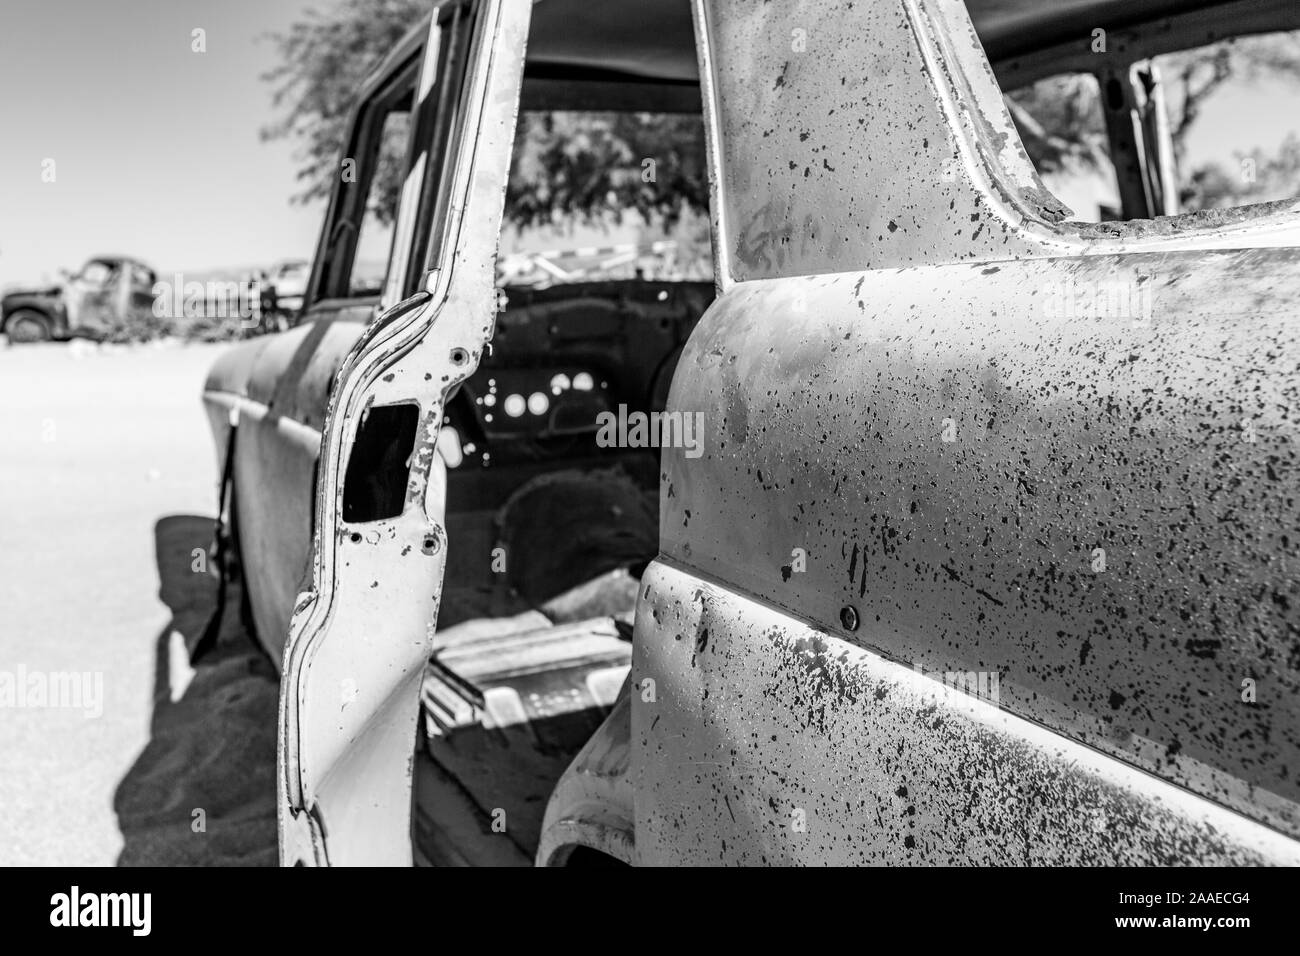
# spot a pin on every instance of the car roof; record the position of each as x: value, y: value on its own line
x: 654, y: 39
x: 1011, y: 27
x: 117, y: 260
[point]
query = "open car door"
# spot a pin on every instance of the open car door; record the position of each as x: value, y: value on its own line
x: 361, y: 633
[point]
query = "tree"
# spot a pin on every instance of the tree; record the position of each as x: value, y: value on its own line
x: 1061, y: 122
x: 601, y: 165
x: 323, y: 59
x: 1192, y: 77
x: 1260, y: 177
x: 594, y: 166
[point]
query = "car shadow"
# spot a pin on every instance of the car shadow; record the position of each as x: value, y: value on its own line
x: 202, y: 792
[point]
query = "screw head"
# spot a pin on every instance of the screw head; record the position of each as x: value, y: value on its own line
x: 849, y: 617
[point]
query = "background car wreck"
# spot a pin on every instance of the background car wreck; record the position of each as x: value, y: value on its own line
x: 107, y: 290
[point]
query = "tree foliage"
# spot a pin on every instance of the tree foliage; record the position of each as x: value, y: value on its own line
x: 592, y: 166
x: 601, y: 165
x: 598, y: 166
x: 1261, y: 176
x: 1062, y: 125
x: 323, y: 59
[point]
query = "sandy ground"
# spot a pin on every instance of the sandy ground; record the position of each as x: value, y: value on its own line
x: 107, y: 487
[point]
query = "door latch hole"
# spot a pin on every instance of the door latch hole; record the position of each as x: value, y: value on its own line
x: 375, y: 485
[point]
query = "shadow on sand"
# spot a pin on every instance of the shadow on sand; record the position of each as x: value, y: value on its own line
x: 202, y: 792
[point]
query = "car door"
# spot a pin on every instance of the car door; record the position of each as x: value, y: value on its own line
x: 986, y: 559
x: 87, y: 294
x: 143, y: 280
x: 361, y: 267
x: 360, y: 633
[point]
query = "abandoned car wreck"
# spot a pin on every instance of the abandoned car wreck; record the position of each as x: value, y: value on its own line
x: 846, y: 548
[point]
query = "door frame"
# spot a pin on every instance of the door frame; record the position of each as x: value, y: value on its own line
x: 362, y: 631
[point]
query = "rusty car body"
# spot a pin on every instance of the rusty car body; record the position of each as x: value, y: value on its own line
x: 956, y: 575
x: 105, y: 286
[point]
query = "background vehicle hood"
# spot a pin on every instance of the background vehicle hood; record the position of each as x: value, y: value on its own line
x: 48, y: 292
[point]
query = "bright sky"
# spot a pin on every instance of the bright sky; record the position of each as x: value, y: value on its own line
x: 156, y: 150
x: 1241, y: 116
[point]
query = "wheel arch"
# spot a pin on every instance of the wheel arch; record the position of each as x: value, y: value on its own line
x: 52, y: 326
x: 592, y: 807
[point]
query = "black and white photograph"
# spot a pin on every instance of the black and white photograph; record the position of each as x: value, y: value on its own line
x: 656, y: 433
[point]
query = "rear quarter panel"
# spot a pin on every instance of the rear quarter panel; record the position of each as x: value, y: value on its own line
x: 1166, y: 443
x: 925, y: 459
x: 761, y: 740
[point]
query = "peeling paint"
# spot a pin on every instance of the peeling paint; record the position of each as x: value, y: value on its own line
x: 787, y: 746
x: 1167, y: 445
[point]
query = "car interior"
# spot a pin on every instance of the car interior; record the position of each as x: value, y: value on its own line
x: 548, y: 530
